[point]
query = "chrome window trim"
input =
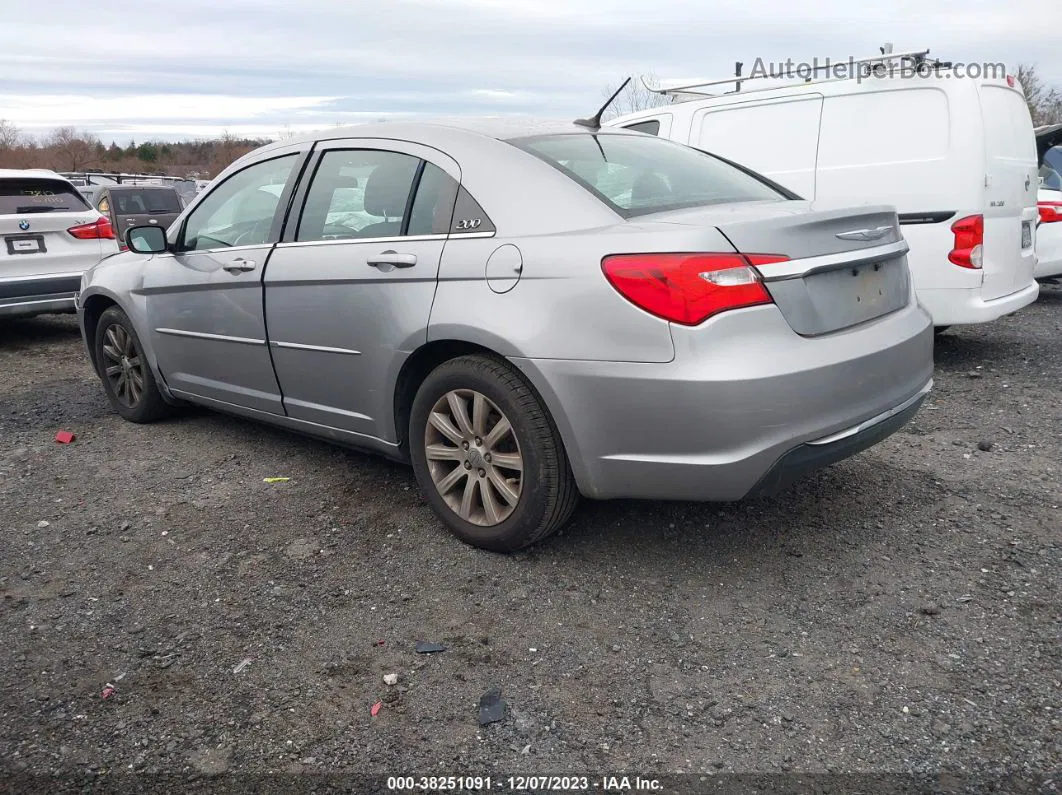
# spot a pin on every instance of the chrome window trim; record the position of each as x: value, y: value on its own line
x: 202, y: 335
x: 392, y: 239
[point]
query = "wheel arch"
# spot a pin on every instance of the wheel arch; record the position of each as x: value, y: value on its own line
x: 427, y: 357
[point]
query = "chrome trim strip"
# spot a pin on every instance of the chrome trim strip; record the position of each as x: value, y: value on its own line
x: 397, y: 239
x: 40, y: 277
x: 348, y: 240
x: 58, y: 298
x: 836, y: 437
x: 798, y: 268
x: 202, y: 335
x: 299, y: 346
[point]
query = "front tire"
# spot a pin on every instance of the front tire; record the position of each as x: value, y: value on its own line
x: 123, y: 368
x: 488, y: 457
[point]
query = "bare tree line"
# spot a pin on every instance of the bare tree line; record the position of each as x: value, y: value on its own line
x: 70, y: 149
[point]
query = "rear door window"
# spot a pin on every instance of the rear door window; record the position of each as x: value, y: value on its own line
x: 652, y: 127
x: 637, y: 174
x: 357, y: 194
x: 30, y: 195
x: 145, y: 202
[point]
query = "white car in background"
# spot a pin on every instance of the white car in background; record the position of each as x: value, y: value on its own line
x: 1049, y: 203
x: 49, y: 236
x: 967, y: 203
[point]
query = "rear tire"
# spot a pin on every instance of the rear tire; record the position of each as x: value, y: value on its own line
x: 127, y: 378
x: 487, y: 455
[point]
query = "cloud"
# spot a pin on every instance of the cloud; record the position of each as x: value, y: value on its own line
x: 261, y: 64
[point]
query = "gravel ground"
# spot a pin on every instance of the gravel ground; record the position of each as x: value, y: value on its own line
x: 896, y: 613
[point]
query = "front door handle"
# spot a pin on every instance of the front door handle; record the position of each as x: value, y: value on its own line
x: 394, y: 259
x: 240, y: 265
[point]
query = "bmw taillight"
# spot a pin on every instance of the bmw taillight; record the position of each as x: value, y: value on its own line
x: 689, y: 288
x: 97, y: 230
x: 1050, y: 212
x: 969, y: 232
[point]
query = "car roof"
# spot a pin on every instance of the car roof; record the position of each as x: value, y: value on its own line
x: 142, y: 186
x: 430, y: 131
x: 22, y: 173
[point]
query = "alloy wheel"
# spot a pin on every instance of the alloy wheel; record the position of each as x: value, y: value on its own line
x: 473, y: 457
x: 122, y: 366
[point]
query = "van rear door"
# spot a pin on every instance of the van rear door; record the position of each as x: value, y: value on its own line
x: 1010, y: 191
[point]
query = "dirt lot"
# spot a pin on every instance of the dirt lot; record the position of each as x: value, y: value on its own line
x: 898, y: 612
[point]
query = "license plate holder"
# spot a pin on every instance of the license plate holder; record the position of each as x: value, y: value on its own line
x: 25, y: 244
x: 1026, y: 234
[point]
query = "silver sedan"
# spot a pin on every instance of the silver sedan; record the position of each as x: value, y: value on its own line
x: 524, y: 314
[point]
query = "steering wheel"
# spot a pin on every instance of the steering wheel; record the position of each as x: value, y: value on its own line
x: 255, y: 233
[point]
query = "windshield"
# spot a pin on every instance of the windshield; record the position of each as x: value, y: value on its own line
x: 22, y: 196
x: 639, y: 174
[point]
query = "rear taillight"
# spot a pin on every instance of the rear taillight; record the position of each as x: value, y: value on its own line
x: 97, y: 230
x: 1050, y: 212
x: 689, y: 288
x: 969, y: 241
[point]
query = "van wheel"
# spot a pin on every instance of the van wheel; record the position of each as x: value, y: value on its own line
x: 487, y: 455
x: 123, y: 368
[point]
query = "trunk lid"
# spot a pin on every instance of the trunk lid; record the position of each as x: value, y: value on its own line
x: 845, y: 265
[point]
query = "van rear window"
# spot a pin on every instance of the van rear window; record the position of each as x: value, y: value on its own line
x: 1008, y: 125
x: 31, y: 195
x: 640, y: 174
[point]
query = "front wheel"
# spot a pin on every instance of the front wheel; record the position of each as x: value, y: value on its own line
x: 123, y: 368
x: 487, y: 455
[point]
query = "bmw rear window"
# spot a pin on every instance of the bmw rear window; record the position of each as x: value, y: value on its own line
x: 639, y: 174
x: 24, y: 196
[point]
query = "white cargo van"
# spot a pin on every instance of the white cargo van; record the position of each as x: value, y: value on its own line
x: 955, y: 155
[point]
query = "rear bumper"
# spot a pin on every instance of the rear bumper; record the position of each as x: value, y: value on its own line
x: 1048, y: 267
x: 735, y: 410
x: 952, y: 307
x: 811, y: 456
x: 23, y: 296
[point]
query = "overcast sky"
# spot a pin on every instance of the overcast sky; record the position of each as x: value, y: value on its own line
x: 196, y: 68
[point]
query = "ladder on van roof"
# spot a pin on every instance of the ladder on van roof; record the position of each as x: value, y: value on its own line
x: 875, y: 64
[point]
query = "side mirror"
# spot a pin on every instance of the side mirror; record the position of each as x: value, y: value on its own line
x: 146, y: 239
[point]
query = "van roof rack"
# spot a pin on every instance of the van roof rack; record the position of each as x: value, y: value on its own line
x: 917, y: 59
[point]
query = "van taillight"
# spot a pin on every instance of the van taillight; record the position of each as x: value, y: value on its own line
x: 97, y: 230
x: 1050, y: 212
x: 969, y: 241
x: 689, y: 288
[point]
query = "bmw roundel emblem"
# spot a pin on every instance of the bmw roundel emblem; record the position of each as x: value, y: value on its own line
x: 23, y: 225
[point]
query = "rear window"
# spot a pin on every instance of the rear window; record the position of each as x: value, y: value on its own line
x: 24, y: 196
x: 145, y: 202
x: 637, y: 175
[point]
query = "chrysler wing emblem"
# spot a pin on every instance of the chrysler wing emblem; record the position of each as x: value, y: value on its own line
x: 23, y: 225
x: 876, y: 233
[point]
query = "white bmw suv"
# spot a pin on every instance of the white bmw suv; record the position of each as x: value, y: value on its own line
x: 49, y: 236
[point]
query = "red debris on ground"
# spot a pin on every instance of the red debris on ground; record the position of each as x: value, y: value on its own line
x: 64, y: 437
x: 376, y: 708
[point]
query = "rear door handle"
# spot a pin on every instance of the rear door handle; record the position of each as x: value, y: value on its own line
x: 394, y: 259
x: 239, y: 265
